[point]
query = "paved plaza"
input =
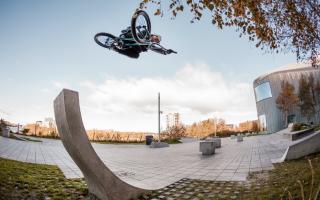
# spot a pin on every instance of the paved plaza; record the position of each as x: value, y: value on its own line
x: 149, y: 168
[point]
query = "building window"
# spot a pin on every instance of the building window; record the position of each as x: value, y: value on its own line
x: 262, y: 123
x: 263, y: 91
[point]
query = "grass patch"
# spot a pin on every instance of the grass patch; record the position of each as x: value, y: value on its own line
x: 44, y: 136
x: 299, y: 127
x: 287, y: 180
x: 172, y: 141
x: 20, y: 180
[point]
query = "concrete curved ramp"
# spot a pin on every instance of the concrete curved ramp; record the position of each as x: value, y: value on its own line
x: 101, y: 181
x: 300, y: 148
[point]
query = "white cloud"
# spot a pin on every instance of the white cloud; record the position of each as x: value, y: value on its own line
x: 195, y: 91
x: 60, y: 85
x: 45, y: 90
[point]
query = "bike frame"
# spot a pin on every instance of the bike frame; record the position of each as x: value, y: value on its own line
x: 129, y: 42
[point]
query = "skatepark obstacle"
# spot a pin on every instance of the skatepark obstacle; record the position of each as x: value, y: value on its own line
x: 101, y: 181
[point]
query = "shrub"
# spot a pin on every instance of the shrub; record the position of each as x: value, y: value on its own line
x: 25, y: 131
x: 299, y: 127
x: 175, y: 132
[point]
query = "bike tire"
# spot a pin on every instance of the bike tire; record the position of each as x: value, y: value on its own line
x: 133, y: 26
x: 105, y: 35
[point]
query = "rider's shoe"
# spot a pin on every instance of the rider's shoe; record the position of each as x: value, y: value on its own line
x: 170, y: 51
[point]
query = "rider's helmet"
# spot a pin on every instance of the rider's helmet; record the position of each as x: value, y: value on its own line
x: 155, y: 38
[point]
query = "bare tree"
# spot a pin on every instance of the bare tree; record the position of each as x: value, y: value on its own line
x: 175, y: 132
x: 287, y: 100
x: 307, y: 105
x: 316, y: 98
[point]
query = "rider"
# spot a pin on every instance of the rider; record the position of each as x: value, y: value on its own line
x: 135, y: 51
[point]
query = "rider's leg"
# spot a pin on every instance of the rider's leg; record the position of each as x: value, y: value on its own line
x: 128, y: 52
x: 159, y: 49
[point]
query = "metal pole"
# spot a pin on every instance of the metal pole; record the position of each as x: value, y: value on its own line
x: 159, y: 115
x: 215, y: 127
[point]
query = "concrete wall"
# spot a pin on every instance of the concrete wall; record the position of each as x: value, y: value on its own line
x: 274, y: 117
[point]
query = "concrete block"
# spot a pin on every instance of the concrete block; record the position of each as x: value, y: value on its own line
x: 239, y: 138
x: 5, y: 132
x: 207, y: 147
x: 216, y: 140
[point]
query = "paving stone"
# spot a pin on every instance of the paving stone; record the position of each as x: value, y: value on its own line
x: 191, y: 193
x: 177, y: 195
x: 186, y: 197
x: 156, y: 169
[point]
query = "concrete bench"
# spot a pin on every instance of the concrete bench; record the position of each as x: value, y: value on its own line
x: 207, y: 147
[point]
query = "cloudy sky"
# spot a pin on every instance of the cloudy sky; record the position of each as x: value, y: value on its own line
x: 48, y: 45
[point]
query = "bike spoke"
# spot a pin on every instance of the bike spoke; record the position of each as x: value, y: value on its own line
x: 141, y: 27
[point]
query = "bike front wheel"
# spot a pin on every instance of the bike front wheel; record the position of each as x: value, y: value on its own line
x: 105, y: 40
x: 141, y: 27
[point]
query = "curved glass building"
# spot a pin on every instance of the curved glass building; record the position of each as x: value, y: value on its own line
x: 267, y: 88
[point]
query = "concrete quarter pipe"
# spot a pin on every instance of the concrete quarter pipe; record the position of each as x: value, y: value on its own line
x: 100, y: 180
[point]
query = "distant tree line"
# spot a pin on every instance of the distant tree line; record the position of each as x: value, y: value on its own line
x: 212, y: 127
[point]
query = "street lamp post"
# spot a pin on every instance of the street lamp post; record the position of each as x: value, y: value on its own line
x: 159, y: 112
x: 215, y: 126
x: 159, y: 144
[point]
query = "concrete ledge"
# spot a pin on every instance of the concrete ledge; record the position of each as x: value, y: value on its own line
x: 306, y: 146
x: 298, y: 134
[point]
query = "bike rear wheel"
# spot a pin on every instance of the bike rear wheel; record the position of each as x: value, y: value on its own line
x: 105, y: 40
x: 141, y: 27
